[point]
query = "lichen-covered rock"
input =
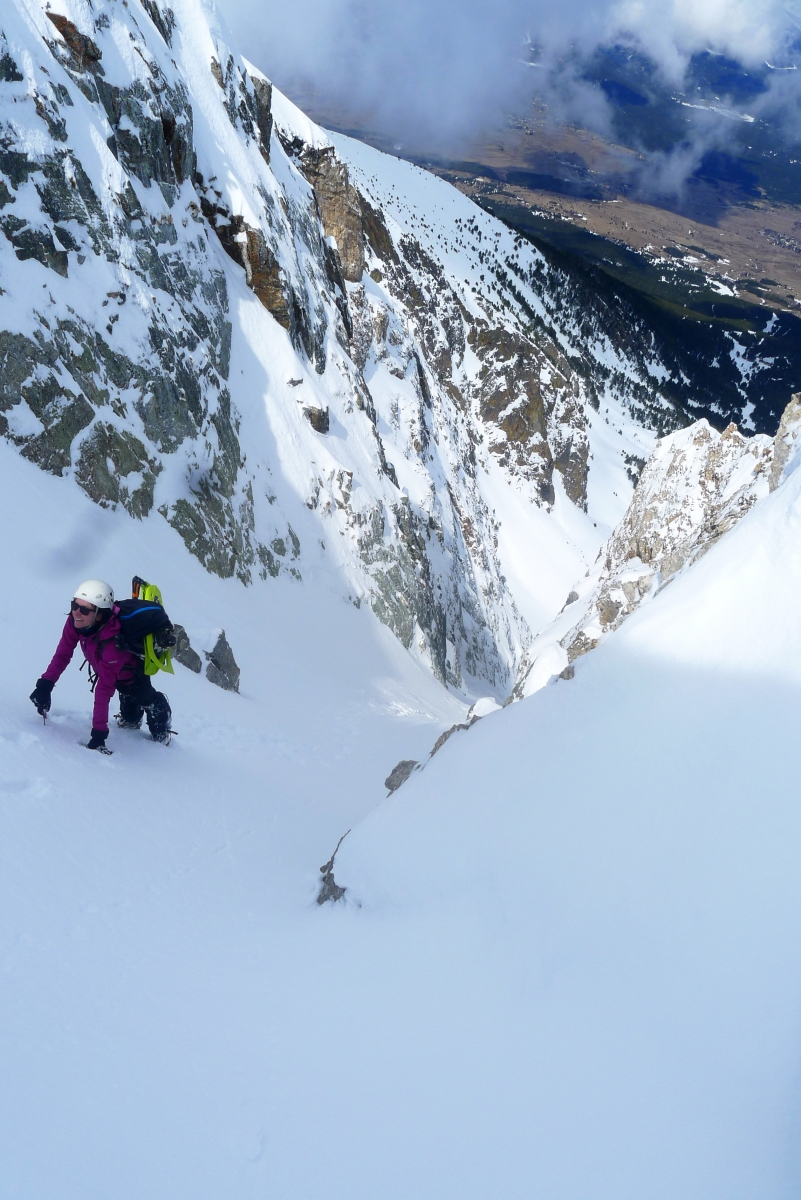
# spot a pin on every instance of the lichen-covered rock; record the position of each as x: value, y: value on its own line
x: 114, y: 468
x: 222, y: 668
x: 149, y: 377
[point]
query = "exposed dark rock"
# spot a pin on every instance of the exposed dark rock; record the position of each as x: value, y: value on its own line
x: 84, y: 51
x: 249, y: 248
x: 404, y: 594
x: 184, y: 653
x: 106, y: 484
x: 222, y: 668
x: 153, y: 147
x: 163, y: 18
x: 65, y: 238
x: 377, y: 234
x: 329, y: 888
x: 30, y: 242
x: 568, y: 673
x: 9, y: 72
x: 399, y: 774
x: 263, y: 91
x: 21, y: 359
x: 63, y: 420
x: 214, y: 531
x: 362, y: 336
x: 67, y: 397
x: 318, y: 418
x: 443, y: 737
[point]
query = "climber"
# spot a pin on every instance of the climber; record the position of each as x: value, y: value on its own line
x: 93, y: 622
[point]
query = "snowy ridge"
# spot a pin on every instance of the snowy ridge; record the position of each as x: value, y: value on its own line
x: 609, y: 870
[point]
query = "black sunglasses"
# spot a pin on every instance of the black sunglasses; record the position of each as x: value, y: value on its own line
x: 81, y: 608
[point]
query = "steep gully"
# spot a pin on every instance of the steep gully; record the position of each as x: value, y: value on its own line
x: 496, y: 357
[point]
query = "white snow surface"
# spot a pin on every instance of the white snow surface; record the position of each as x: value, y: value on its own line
x: 158, y: 925
x: 567, y: 961
x: 566, y: 964
x: 589, y: 906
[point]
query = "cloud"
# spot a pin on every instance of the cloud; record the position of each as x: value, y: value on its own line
x: 748, y: 30
x: 441, y: 70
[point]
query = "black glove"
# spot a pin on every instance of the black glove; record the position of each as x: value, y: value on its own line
x: 98, y: 739
x: 165, y: 639
x: 40, y: 696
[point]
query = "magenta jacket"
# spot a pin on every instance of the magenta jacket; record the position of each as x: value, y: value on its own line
x: 99, y: 647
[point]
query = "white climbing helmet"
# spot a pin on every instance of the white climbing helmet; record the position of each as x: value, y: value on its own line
x: 95, y: 591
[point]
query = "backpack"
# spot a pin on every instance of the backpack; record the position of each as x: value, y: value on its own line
x: 146, y: 629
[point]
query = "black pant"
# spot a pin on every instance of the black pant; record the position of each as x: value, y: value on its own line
x: 139, y: 698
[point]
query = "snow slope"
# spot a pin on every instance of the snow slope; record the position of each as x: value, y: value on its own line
x: 589, y: 906
x: 154, y: 902
x: 567, y: 962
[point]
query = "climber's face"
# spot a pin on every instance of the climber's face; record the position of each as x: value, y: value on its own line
x: 83, y: 614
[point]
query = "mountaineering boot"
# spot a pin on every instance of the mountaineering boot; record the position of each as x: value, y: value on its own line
x: 159, y: 718
x: 124, y: 724
x: 131, y: 713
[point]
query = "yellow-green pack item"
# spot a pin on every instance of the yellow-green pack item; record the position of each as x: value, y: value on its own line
x: 146, y: 628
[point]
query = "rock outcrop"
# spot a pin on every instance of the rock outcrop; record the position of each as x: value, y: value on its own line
x: 697, y: 485
x: 787, y: 442
x: 222, y: 668
x: 184, y: 653
x: 338, y: 205
x: 330, y: 891
x: 399, y: 774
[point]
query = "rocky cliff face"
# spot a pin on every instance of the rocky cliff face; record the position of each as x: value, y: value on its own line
x: 121, y: 360
x: 403, y: 349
